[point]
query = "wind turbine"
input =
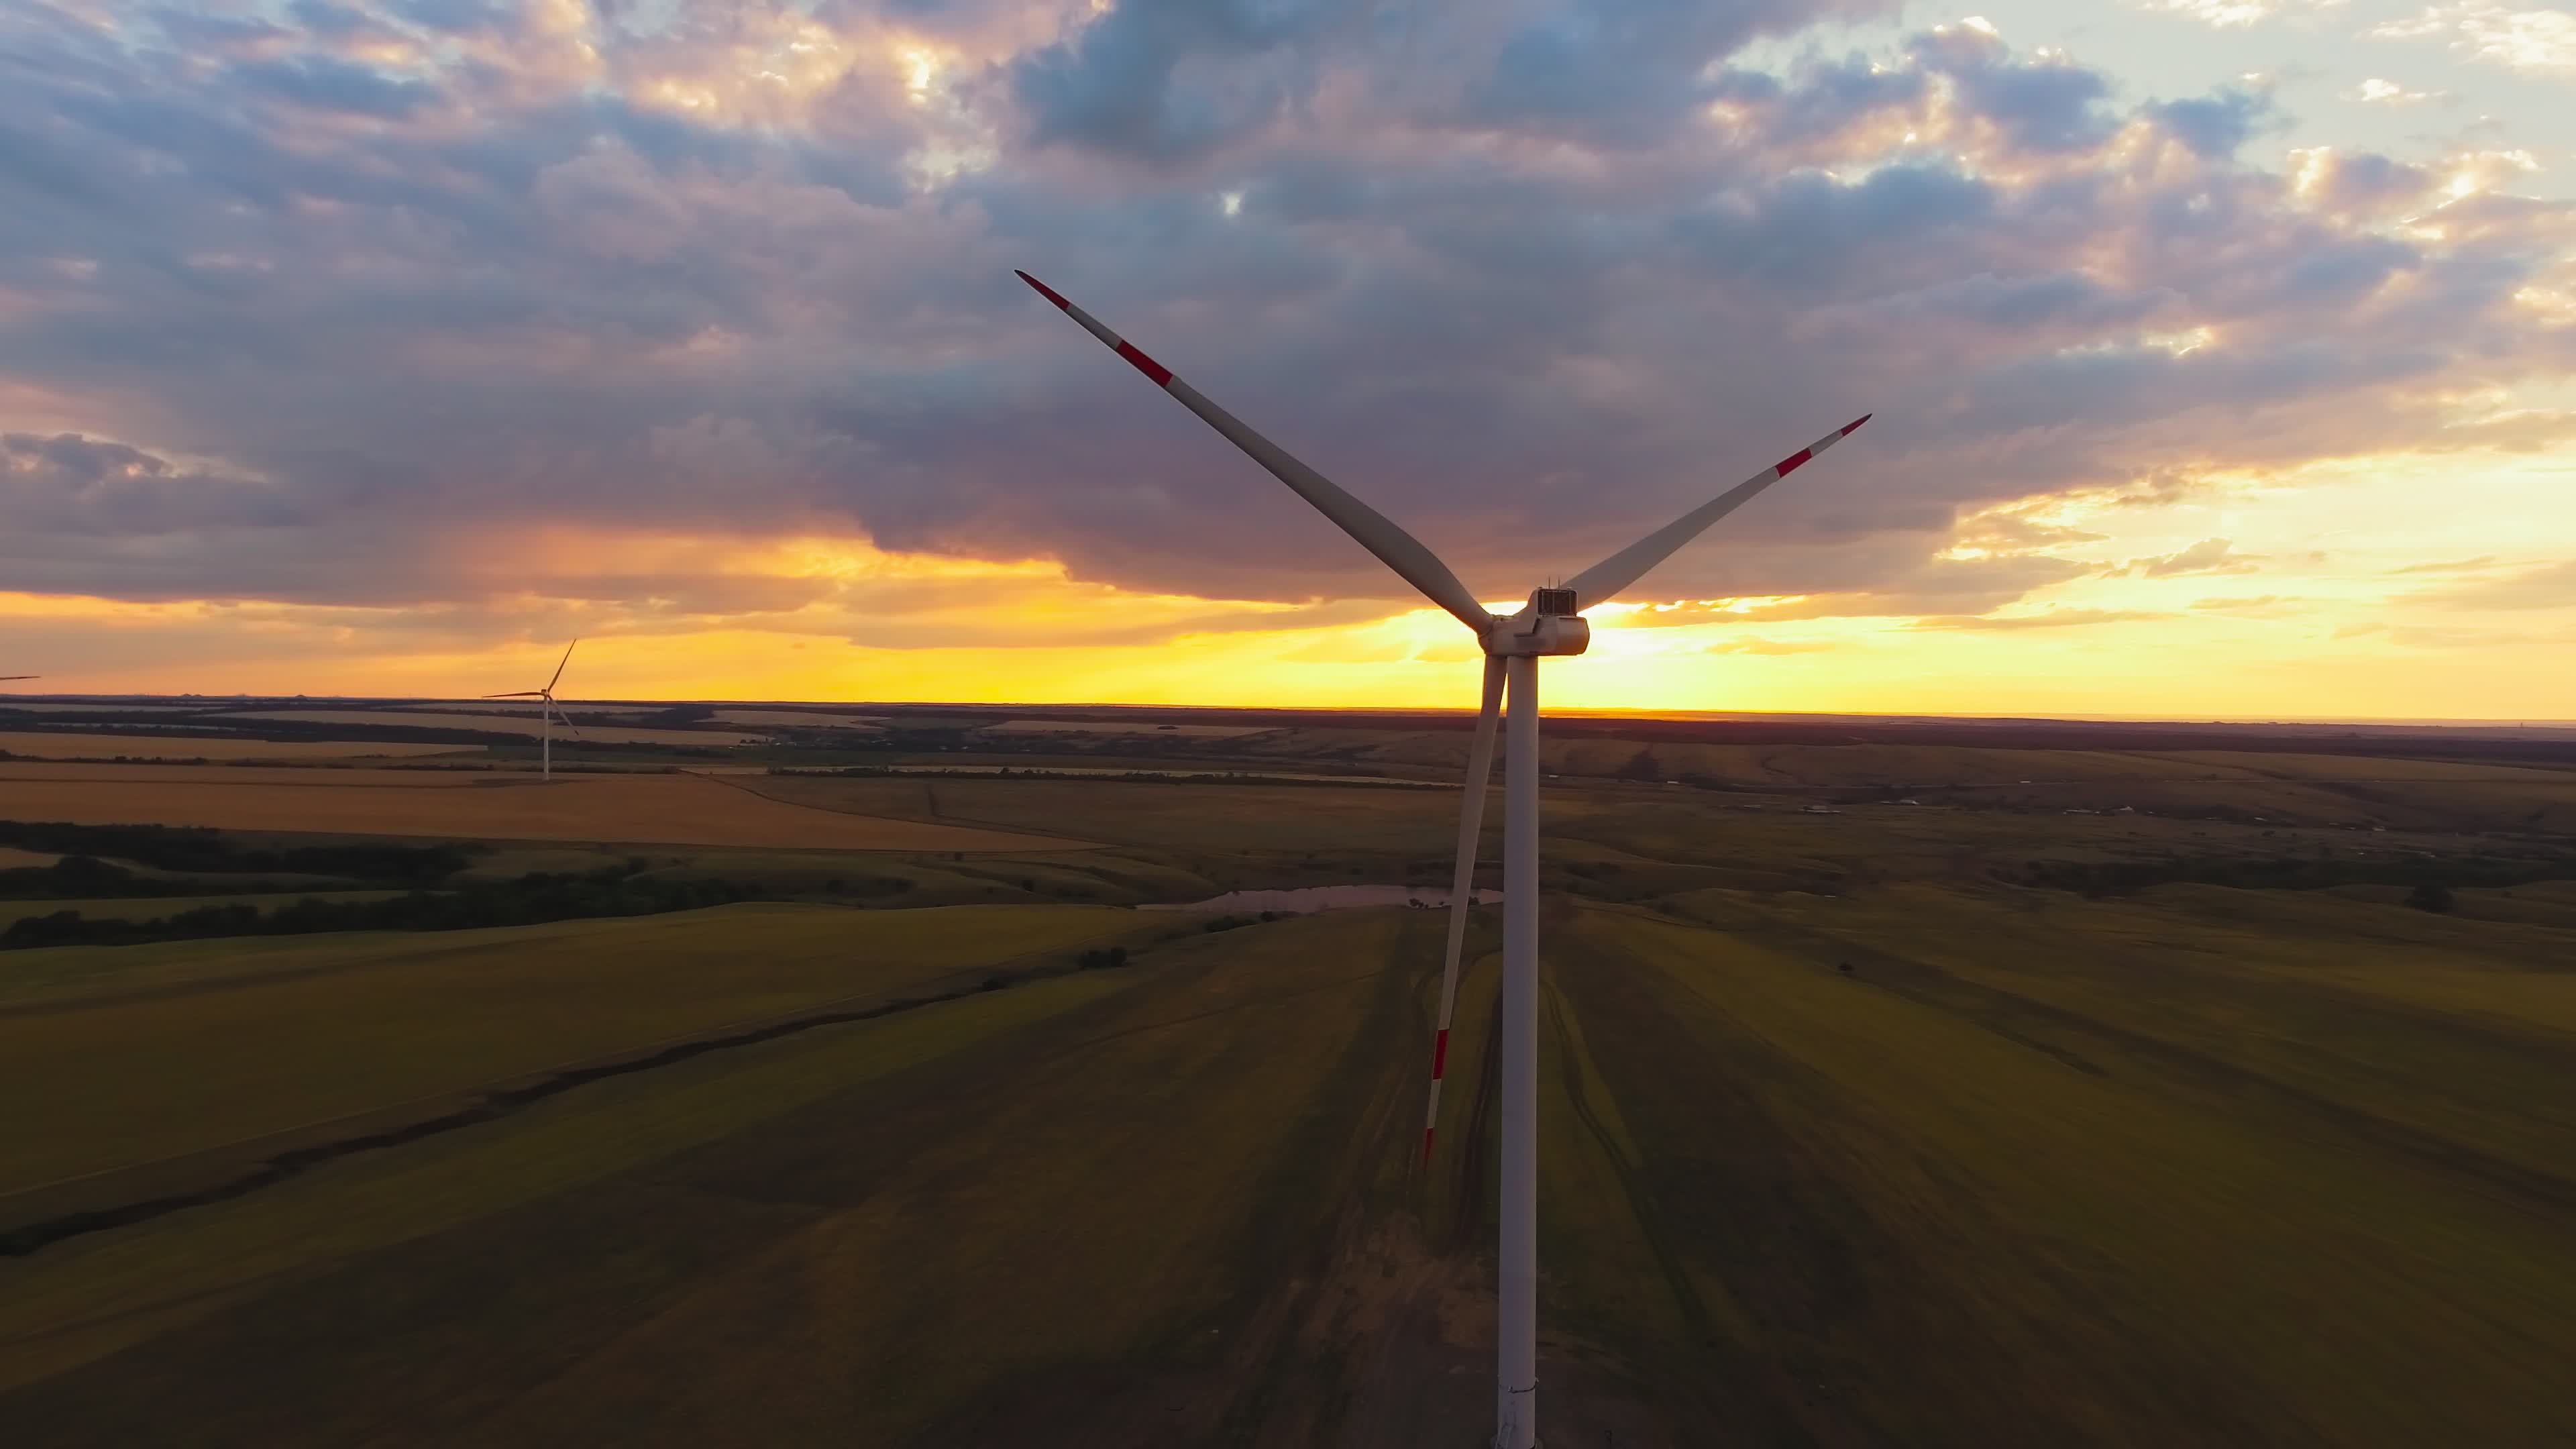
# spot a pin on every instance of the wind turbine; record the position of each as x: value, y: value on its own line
x: 547, y: 713
x: 1550, y: 624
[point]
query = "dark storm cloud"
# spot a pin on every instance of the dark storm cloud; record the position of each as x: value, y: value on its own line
x: 394, y: 278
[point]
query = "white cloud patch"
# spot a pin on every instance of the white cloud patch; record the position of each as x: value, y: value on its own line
x: 2228, y: 14
x: 2542, y: 41
x: 2377, y: 92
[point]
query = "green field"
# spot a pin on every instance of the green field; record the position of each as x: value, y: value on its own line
x: 303, y: 1030
x: 1856, y: 1130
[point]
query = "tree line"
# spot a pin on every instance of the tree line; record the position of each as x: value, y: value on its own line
x: 526, y: 900
x: 198, y: 849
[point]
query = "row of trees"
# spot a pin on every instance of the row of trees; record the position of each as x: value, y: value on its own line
x: 200, y: 850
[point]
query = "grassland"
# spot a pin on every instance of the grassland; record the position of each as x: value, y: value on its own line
x: 83, y: 745
x: 675, y: 809
x: 1856, y: 1130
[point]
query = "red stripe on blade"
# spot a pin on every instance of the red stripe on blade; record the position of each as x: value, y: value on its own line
x: 1440, y: 1054
x: 1050, y: 293
x: 1426, y: 1145
x: 1854, y: 427
x: 1161, y: 375
x: 1789, y: 465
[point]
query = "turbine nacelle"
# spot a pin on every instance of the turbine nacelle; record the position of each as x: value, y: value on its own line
x: 1546, y: 625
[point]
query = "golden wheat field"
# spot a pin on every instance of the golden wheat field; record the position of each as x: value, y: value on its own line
x: 467, y: 805
x: 170, y: 747
x: 503, y: 725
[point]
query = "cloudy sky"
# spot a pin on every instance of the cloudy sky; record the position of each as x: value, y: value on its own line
x: 2223, y: 352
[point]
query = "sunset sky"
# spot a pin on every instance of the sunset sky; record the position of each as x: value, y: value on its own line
x: 2223, y: 352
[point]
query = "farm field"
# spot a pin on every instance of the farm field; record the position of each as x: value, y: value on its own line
x: 35, y: 706
x: 86, y: 746
x: 676, y: 809
x: 292, y: 1031
x: 530, y: 707
x: 1940, y: 1124
x: 1188, y: 817
x: 1825, y: 1207
x: 799, y: 718
x: 610, y: 734
x: 1141, y: 727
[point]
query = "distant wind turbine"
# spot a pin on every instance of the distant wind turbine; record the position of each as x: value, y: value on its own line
x: 1551, y: 623
x: 547, y: 713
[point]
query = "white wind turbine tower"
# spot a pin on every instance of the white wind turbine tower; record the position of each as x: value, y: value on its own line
x: 1551, y: 623
x: 547, y: 713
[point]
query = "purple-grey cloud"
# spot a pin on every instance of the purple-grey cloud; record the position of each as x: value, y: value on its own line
x: 1532, y: 278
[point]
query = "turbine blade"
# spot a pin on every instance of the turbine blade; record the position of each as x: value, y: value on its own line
x: 1462, y: 886
x: 559, y: 668
x: 21, y: 676
x: 1607, y: 579
x: 562, y: 718
x: 519, y: 694
x: 1372, y: 530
